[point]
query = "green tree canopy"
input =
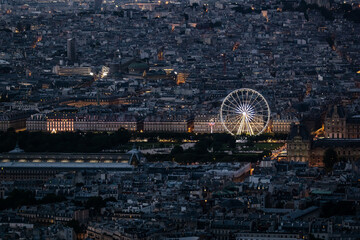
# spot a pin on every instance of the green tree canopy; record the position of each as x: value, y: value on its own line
x: 330, y: 158
x: 177, y: 150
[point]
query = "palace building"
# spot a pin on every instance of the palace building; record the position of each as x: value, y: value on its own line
x: 340, y: 126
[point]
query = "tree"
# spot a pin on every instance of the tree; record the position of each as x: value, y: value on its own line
x: 18, y: 198
x: 95, y: 202
x: 312, y: 237
x: 267, y: 153
x: 177, y: 150
x: 194, y: 5
x: 330, y: 158
x: 123, y: 135
x: 217, y: 146
x: 110, y: 199
x: 52, y: 198
x: 74, y: 224
x: 201, y: 147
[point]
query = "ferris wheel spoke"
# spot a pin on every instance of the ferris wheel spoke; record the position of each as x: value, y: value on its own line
x: 256, y: 126
x: 246, y: 98
x: 230, y: 113
x: 259, y: 117
x: 259, y: 103
x: 235, y: 104
x: 251, y: 94
x: 241, y: 97
x: 258, y: 121
x: 241, y: 126
x: 236, y: 124
x: 233, y: 120
x: 231, y: 126
x: 252, y: 97
x: 254, y: 100
x: 241, y: 105
x: 264, y: 116
x: 238, y: 104
x: 250, y: 130
x: 228, y: 106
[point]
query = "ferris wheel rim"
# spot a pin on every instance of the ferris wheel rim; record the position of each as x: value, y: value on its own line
x: 248, y: 111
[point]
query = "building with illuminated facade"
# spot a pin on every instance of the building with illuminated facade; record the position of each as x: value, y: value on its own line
x: 172, y: 123
x: 298, y: 144
x: 346, y: 149
x: 36, y: 122
x: 340, y: 126
x: 208, y: 124
x: 70, y: 71
x: 69, y: 122
x: 282, y: 124
x: 13, y: 119
x: 335, y: 123
x: 109, y: 123
x: 60, y: 122
x: 301, y: 148
x: 181, y: 78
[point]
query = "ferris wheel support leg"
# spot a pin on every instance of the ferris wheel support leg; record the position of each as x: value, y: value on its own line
x: 249, y: 127
x: 241, y: 126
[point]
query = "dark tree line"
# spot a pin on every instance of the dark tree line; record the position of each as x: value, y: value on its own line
x: 18, y: 198
x: 217, y: 143
x: 189, y: 157
x: 330, y: 158
x: 304, y: 7
x: 62, y: 142
x: 96, y: 142
x: 268, y: 136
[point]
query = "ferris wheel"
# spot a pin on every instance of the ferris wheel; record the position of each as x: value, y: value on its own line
x: 245, y: 111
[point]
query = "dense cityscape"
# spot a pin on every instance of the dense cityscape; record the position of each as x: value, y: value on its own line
x: 179, y: 119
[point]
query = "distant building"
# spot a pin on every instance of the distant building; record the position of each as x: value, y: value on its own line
x: 70, y: 71
x: 69, y: 122
x: 17, y: 166
x: 335, y: 123
x: 301, y: 148
x: 353, y: 126
x: 347, y: 149
x: 282, y: 124
x: 108, y: 123
x: 71, y: 49
x: 181, y: 78
x: 60, y: 122
x: 208, y: 124
x: 177, y: 123
x: 338, y: 125
x: 97, y: 5
x: 298, y: 144
x: 13, y: 119
x: 36, y: 122
x: 320, y: 3
x: 268, y: 236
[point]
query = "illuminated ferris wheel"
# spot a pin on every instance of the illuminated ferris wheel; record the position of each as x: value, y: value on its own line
x: 245, y: 111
